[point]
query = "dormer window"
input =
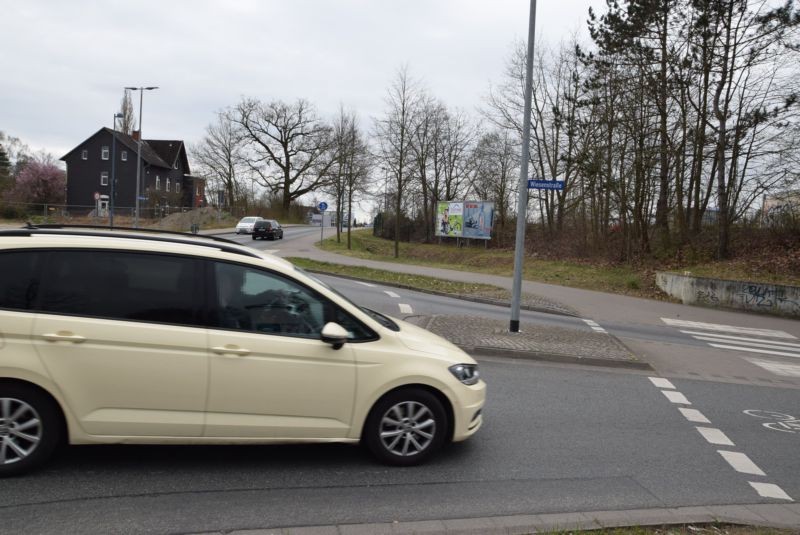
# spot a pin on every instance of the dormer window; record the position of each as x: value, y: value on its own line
x: 104, y: 153
x: 84, y: 154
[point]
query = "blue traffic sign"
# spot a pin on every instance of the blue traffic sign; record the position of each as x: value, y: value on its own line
x: 323, y: 206
x: 545, y: 184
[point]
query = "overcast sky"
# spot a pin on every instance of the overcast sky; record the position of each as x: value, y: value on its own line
x: 64, y: 63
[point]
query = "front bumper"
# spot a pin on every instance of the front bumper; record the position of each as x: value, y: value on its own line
x: 468, y: 411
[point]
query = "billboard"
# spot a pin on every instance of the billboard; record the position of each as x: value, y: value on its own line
x: 465, y: 219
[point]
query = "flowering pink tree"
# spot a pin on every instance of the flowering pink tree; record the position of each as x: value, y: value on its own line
x: 40, y: 182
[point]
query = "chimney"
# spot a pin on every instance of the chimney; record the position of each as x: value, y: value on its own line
x: 135, y: 135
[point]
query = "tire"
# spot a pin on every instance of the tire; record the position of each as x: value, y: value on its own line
x: 39, y: 417
x: 254, y: 236
x: 396, y: 413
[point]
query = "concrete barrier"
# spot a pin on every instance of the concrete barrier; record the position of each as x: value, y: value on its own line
x: 774, y: 299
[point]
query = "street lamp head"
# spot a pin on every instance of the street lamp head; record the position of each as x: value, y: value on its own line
x: 118, y: 116
x: 153, y: 87
x: 132, y: 88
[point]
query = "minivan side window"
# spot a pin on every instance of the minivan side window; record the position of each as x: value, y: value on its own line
x: 19, y: 281
x: 251, y: 299
x: 123, y: 286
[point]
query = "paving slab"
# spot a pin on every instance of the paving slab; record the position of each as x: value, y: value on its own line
x: 491, y: 337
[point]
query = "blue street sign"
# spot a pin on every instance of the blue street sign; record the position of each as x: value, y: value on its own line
x: 545, y: 184
x: 323, y: 206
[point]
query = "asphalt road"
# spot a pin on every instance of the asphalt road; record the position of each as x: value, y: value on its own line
x: 556, y: 438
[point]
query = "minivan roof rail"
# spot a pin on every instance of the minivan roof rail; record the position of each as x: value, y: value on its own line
x: 168, y: 236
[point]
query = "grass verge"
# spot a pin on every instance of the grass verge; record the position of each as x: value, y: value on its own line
x: 420, y: 282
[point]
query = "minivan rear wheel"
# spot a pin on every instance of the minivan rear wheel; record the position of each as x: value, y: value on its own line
x: 406, y: 427
x: 30, y: 429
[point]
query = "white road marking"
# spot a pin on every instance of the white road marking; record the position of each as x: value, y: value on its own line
x: 778, y: 368
x: 766, y: 345
x: 741, y: 463
x: 405, y: 309
x: 591, y: 323
x: 595, y: 327
x: 368, y: 285
x: 754, y: 350
x: 715, y: 436
x: 676, y: 397
x: 661, y: 383
x: 272, y: 251
x: 727, y: 328
x: 391, y: 294
x: 598, y: 329
x: 693, y: 415
x: 725, y: 337
x: 769, y: 490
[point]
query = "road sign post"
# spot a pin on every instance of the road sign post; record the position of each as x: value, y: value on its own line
x: 322, y: 207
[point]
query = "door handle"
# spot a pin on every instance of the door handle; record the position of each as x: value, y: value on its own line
x: 231, y: 349
x: 64, y: 336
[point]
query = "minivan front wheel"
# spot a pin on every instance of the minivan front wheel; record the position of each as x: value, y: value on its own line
x: 406, y: 427
x: 30, y: 429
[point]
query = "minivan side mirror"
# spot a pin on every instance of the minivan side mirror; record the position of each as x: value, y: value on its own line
x: 334, y: 334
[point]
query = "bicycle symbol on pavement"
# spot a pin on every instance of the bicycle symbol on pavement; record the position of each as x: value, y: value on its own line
x: 783, y: 422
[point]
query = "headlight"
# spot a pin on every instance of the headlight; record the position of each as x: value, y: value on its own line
x: 466, y: 373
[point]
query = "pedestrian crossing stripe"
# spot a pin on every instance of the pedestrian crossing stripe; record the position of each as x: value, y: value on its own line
x: 728, y: 328
x: 778, y: 368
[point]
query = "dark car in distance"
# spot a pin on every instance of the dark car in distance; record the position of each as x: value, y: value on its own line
x: 269, y: 229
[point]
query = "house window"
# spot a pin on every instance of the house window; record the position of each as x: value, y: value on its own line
x: 158, y: 183
x: 198, y: 190
x: 104, y: 153
x: 123, y: 156
x: 84, y: 154
x: 104, y: 178
x: 167, y: 185
x: 177, y: 187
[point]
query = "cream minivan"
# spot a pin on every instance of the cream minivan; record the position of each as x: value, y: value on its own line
x: 141, y: 337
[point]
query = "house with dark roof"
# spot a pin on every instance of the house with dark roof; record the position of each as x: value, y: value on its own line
x: 166, y: 180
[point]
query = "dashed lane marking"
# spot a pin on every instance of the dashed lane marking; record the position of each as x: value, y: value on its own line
x: 405, y: 309
x: 727, y: 328
x: 595, y: 326
x: 391, y: 294
x: 778, y: 368
x: 676, y: 397
x: 769, y: 490
x: 693, y: 415
x: 715, y: 436
x: 368, y: 285
x: 741, y: 463
x: 661, y: 383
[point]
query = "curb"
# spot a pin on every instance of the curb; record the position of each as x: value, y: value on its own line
x: 557, y: 357
x: 781, y: 516
x: 482, y: 300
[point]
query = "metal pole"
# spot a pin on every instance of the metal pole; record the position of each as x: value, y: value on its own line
x: 321, y: 228
x: 138, y: 161
x: 522, y: 199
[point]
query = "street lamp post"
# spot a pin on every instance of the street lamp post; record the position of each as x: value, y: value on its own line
x: 139, y: 151
x: 113, y: 170
x: 522, y: 197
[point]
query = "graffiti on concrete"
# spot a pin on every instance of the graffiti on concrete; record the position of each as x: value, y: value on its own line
x: 707, y: 296
x: 758, y: 296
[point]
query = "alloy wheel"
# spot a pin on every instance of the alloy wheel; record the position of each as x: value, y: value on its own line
x: 407, y: 428
x: 20, y: 430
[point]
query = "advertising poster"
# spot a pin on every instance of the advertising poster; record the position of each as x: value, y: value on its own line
x: 478, y: 218
x: 449, y: 219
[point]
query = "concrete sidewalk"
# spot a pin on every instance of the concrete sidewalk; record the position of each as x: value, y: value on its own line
x: 785, y: 516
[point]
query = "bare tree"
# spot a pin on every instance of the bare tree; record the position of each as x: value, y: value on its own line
x: 221, y: 157
x: 290, y: 148
x: 127, y: 122
x: 394, y: 133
